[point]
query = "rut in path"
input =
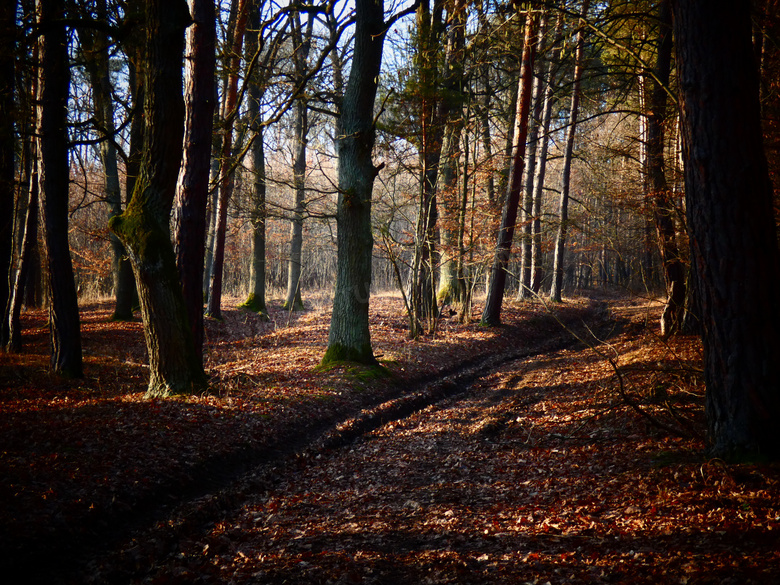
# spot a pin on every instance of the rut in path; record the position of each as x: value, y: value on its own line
x: 118, y: 546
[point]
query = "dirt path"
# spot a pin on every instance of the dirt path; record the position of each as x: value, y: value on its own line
x: 519, y: 463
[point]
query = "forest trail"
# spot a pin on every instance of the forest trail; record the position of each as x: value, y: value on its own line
x: 517, y: 464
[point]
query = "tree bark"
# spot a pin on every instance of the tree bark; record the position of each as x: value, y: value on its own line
x: 193, y: 183
x: 660, y: 195
x: 225, y: 172
x: 349, y: 338
x: 53, y: 88
x: 563, y: 227
x: 256, y: 299
x: 302, y: 40
x: 491, y: 315
x: 144, y: 226
x: 731, y: 223
x: 7, y: 144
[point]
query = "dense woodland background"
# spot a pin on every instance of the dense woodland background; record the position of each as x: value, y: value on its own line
x: 524, y: 149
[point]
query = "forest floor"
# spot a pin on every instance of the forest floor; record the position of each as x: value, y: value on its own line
x: 563, y: 447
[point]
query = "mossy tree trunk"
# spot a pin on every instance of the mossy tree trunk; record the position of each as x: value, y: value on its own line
x: 52, y: 96
x: 349, y: 338
x: 144, y: 226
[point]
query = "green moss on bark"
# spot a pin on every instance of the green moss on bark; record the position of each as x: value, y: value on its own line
x: 338, y: 353
x: 255, y: 304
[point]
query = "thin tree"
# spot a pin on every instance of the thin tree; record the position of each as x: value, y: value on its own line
x: 7, y: 147
x: 563, y: 213
x: 51, y: 130
x: 174, y: 365
x: 193, y: 182
x: 733, y: 236
x: 491, y: 315
x: 659, y: 193
x: 301, y: 46
x: 226, y: 166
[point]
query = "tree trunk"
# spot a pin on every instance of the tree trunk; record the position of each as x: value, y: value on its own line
x: 349, y: 338
x: 422, y: 293
x: 293, y: 301
x: 491, y: 315
x: 524, y: 290
x: 563, y: 227
x: 144, y: 226
x: 731, y: 223
x: 29, y: 240
x: 53, y: 88
x: 660, y: 195
x: 193, y: 183
x: 256, y: 299
x: 537, y: 272
x: 225, y: 172
x: 95, y: 45
x: 7, y: 144
x: 447, y: 184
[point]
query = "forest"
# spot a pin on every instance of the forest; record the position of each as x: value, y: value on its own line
x: 355, y: 291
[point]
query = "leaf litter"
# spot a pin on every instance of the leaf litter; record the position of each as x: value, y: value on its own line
x: 537, y: 472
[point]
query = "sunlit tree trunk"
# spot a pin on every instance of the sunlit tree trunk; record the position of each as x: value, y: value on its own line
x: 526, y: 249
x: 447, y: 184
x: 302, y: 40
x: 225, y: 172
x: 53, y: 88
x: 422, y: 292
x: 491, y: 315
x: 563, y: 214
x: 733, y: 236
x: 349, y: 338
x: 174, y: 364
x: 193, y: 183
x: 256, y: 299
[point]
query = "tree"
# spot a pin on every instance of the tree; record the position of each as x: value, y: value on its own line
x: 301, y: 47
x: 225, y: 170
x: 144, y: 226
x: 193, y: 182
x: 733, y: 237
x: 257, y: 215
x: 51, y: 129
x: 563, y: 226
x: 7, y: 144
x: 349, y: 338
x: 660, y: 195
x: 491, y: 315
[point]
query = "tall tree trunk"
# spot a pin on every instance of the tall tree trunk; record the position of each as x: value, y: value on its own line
x: 95, y: 45
x: 193, y: 183
x: 53, y: 88
x: 563, y: 226
x: 302, y: 40
x: 524, y: 289
x: 422, y: 298
x: 540, y: 173
x: 491, y: 315
x: 144, y: 226
x: 733, y: 236
x: 7, y: 144
x: 349, y: 337
x: 660, y: 195
x: 225, y: 172
x: 256, y: 299
x: 29, y: 240
x: 447, y: 189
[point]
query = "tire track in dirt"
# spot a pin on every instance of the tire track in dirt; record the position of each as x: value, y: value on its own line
x: 122, y: 546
